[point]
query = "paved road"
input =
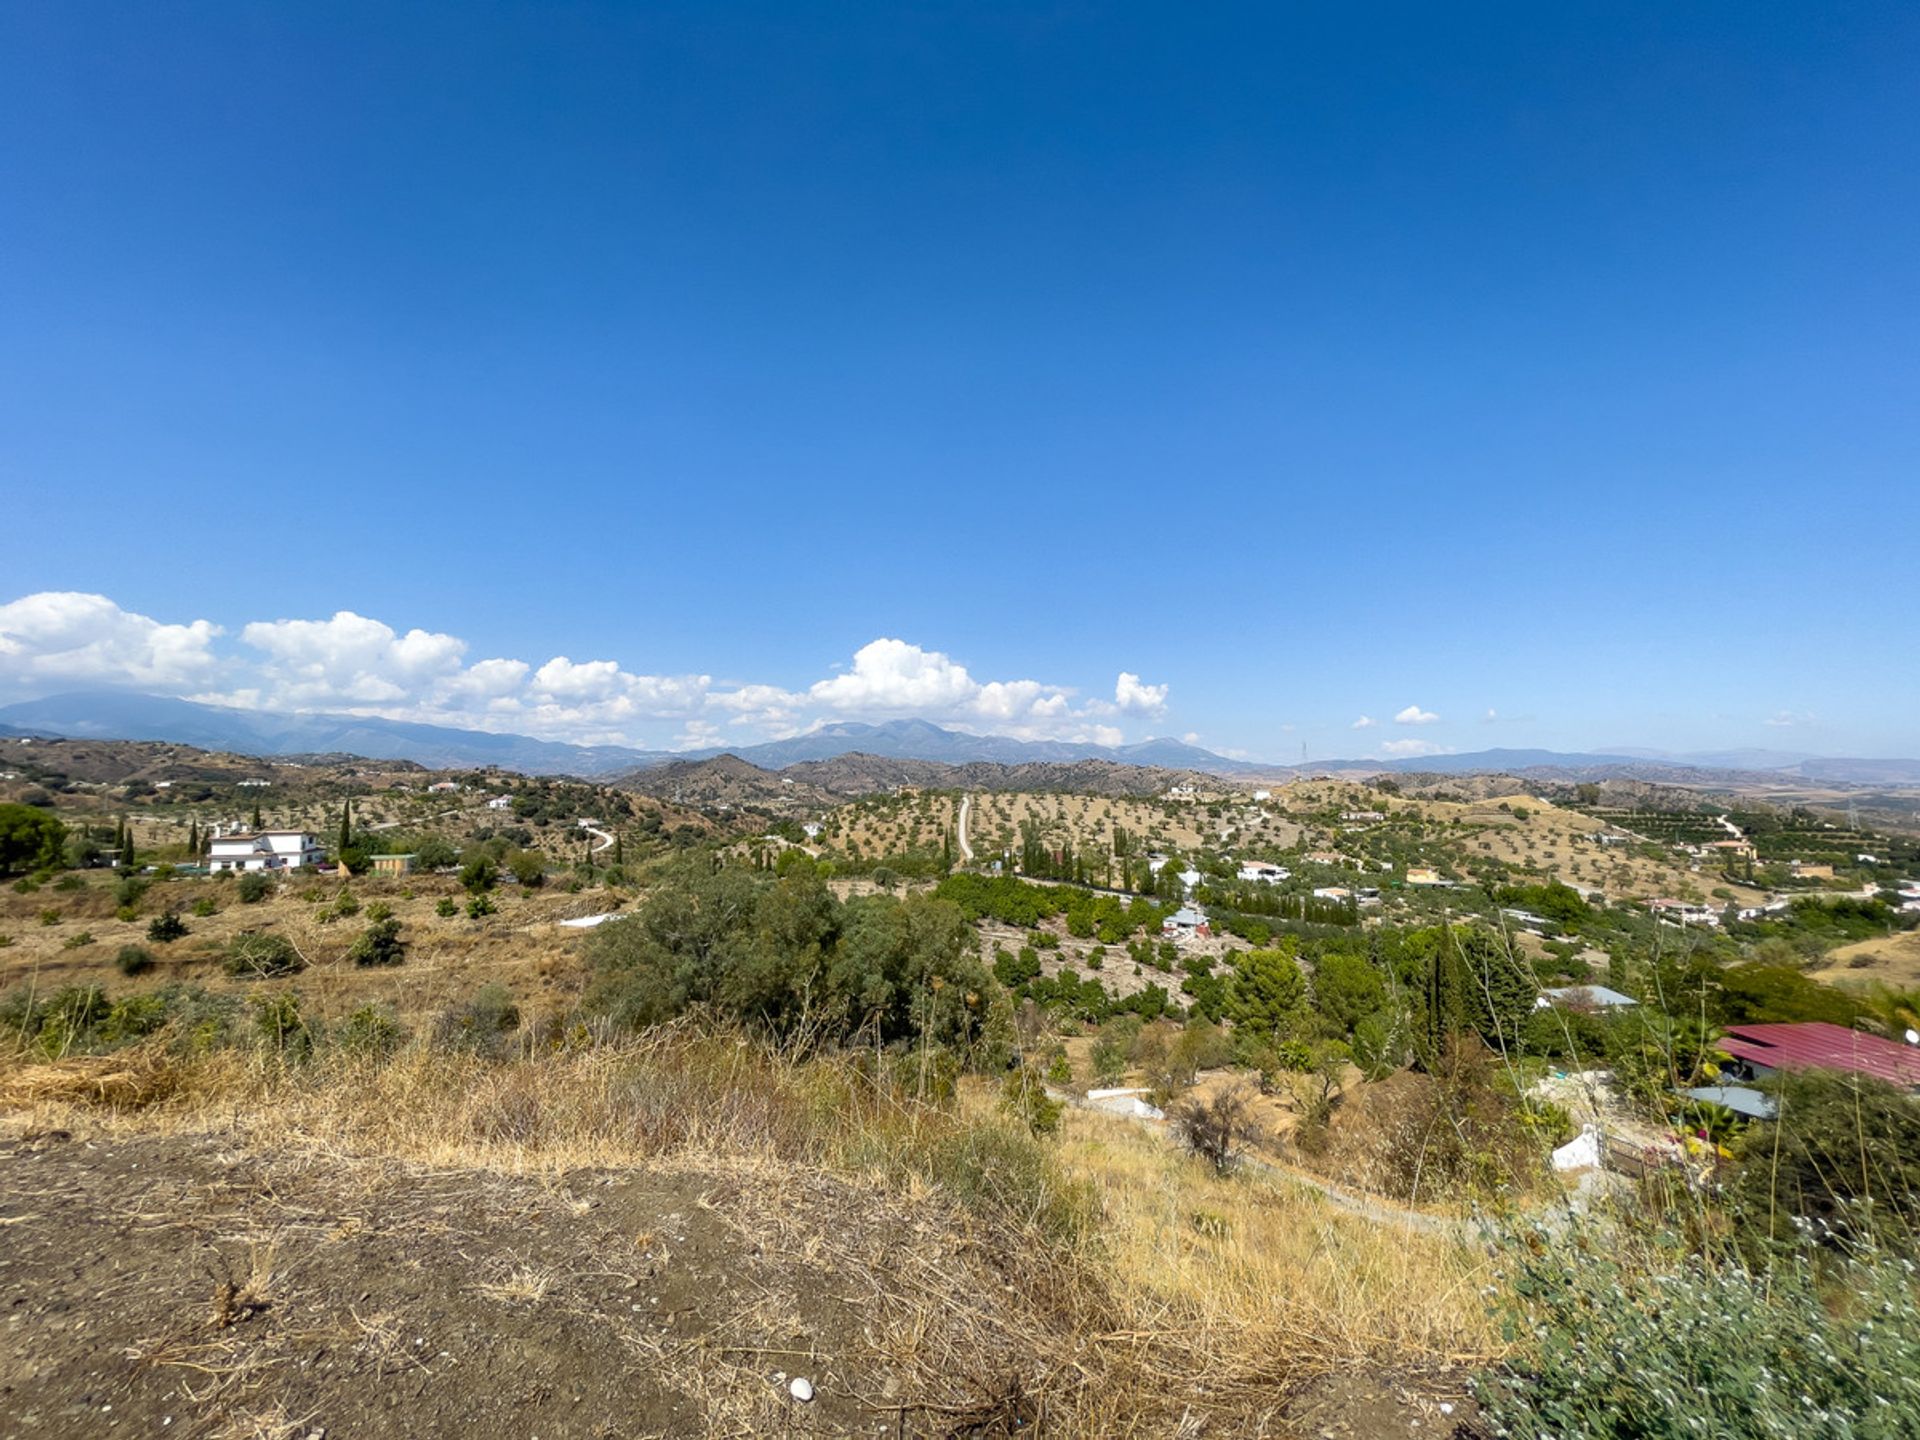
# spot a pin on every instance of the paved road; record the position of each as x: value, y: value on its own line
x: 966, y: 850
x: 593, y: 828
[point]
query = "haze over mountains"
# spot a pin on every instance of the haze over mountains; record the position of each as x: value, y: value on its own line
x: 127, y: 715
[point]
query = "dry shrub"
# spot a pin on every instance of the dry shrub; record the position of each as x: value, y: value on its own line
x: 1456, y: 1133
x: 127, y: 1080
x: 1246, y: 1288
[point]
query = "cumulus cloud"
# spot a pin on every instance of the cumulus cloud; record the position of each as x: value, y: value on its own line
x: 1365, y: 722
x: 355, y: 663
x: 349, y: 660
x: 1132, y: 697
x: 892, y: 675
x: 63, y: 636
x: 1414, y: 715
x: 1403, y: 749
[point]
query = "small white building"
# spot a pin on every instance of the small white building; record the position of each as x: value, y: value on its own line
x: 264, y: 850
x: 444, y: 787
x: 1683, y: 912
x: 1263, y: 872
x: 1263, y: 795
x: 500, y: 802
x: 254, y: 784
x: 1187, y: 920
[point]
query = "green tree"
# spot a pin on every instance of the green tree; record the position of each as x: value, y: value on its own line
x: 1346, y: 989
x: 1269, y: 994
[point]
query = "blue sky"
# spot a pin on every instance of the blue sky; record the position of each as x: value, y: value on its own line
x: 1301, y: 363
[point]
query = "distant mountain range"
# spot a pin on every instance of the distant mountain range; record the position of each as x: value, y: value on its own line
x: 126, y: 715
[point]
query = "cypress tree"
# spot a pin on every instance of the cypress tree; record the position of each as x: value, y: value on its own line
x: 256, y: 817
x: 346, y: 823
x: 193, y: 839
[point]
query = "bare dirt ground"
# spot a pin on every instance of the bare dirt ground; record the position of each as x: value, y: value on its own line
x: 1890, y: 959
x: 191, y: 1286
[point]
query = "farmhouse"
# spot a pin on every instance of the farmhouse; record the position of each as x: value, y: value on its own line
x: 264, y: 850
x: 1264, y: 872
x: 1185, y: 921
x: 1760, y: 1050
x: 1423, y: 875
x: 444, y: 787
x: 500, y: 802
x: 1683, y: 912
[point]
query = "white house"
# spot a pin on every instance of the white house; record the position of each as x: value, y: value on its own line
x: 1186, y: 921
x: 1683, y: 912
x: 1264, y: 872
x: 1263, y: 795
x: 444, y: 787
x: 267, y: 850
x: 500, y: 802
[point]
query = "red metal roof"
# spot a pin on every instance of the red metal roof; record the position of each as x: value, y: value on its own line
x: 1817, y: 1045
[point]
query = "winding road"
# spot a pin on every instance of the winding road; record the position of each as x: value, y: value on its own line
x: 966, y: 850
x: 592, y: 827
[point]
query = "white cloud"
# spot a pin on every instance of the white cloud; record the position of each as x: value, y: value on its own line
x: 355, y: 663
x: 1788, y: 720
x: 1414, y: 715
x: 349, y: 660
x: 892, y: 675
x: 62, y: 636
x: 1134, y: 698
x: 1491, y: 716
x: 1365, y: 722
x: 1403, y: 749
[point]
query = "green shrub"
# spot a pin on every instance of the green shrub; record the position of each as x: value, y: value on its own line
x: 254, y: 887
x: 446, y: 908
x: 346, y: 903
x: 379, y: 944
x: 204, y: 906
x: 77, y: 941
x: 49, y: 917
x: 1839, y: 1143
x: 166, y: 928
x: 1620, y: 1344
x: 134, y: 960
x: 379, y: 910
x: 479, y: 905
x: 128, y: 893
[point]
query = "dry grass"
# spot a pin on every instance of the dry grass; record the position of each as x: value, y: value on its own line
x: 1173, y: 1293
x: 1251, y: 1273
